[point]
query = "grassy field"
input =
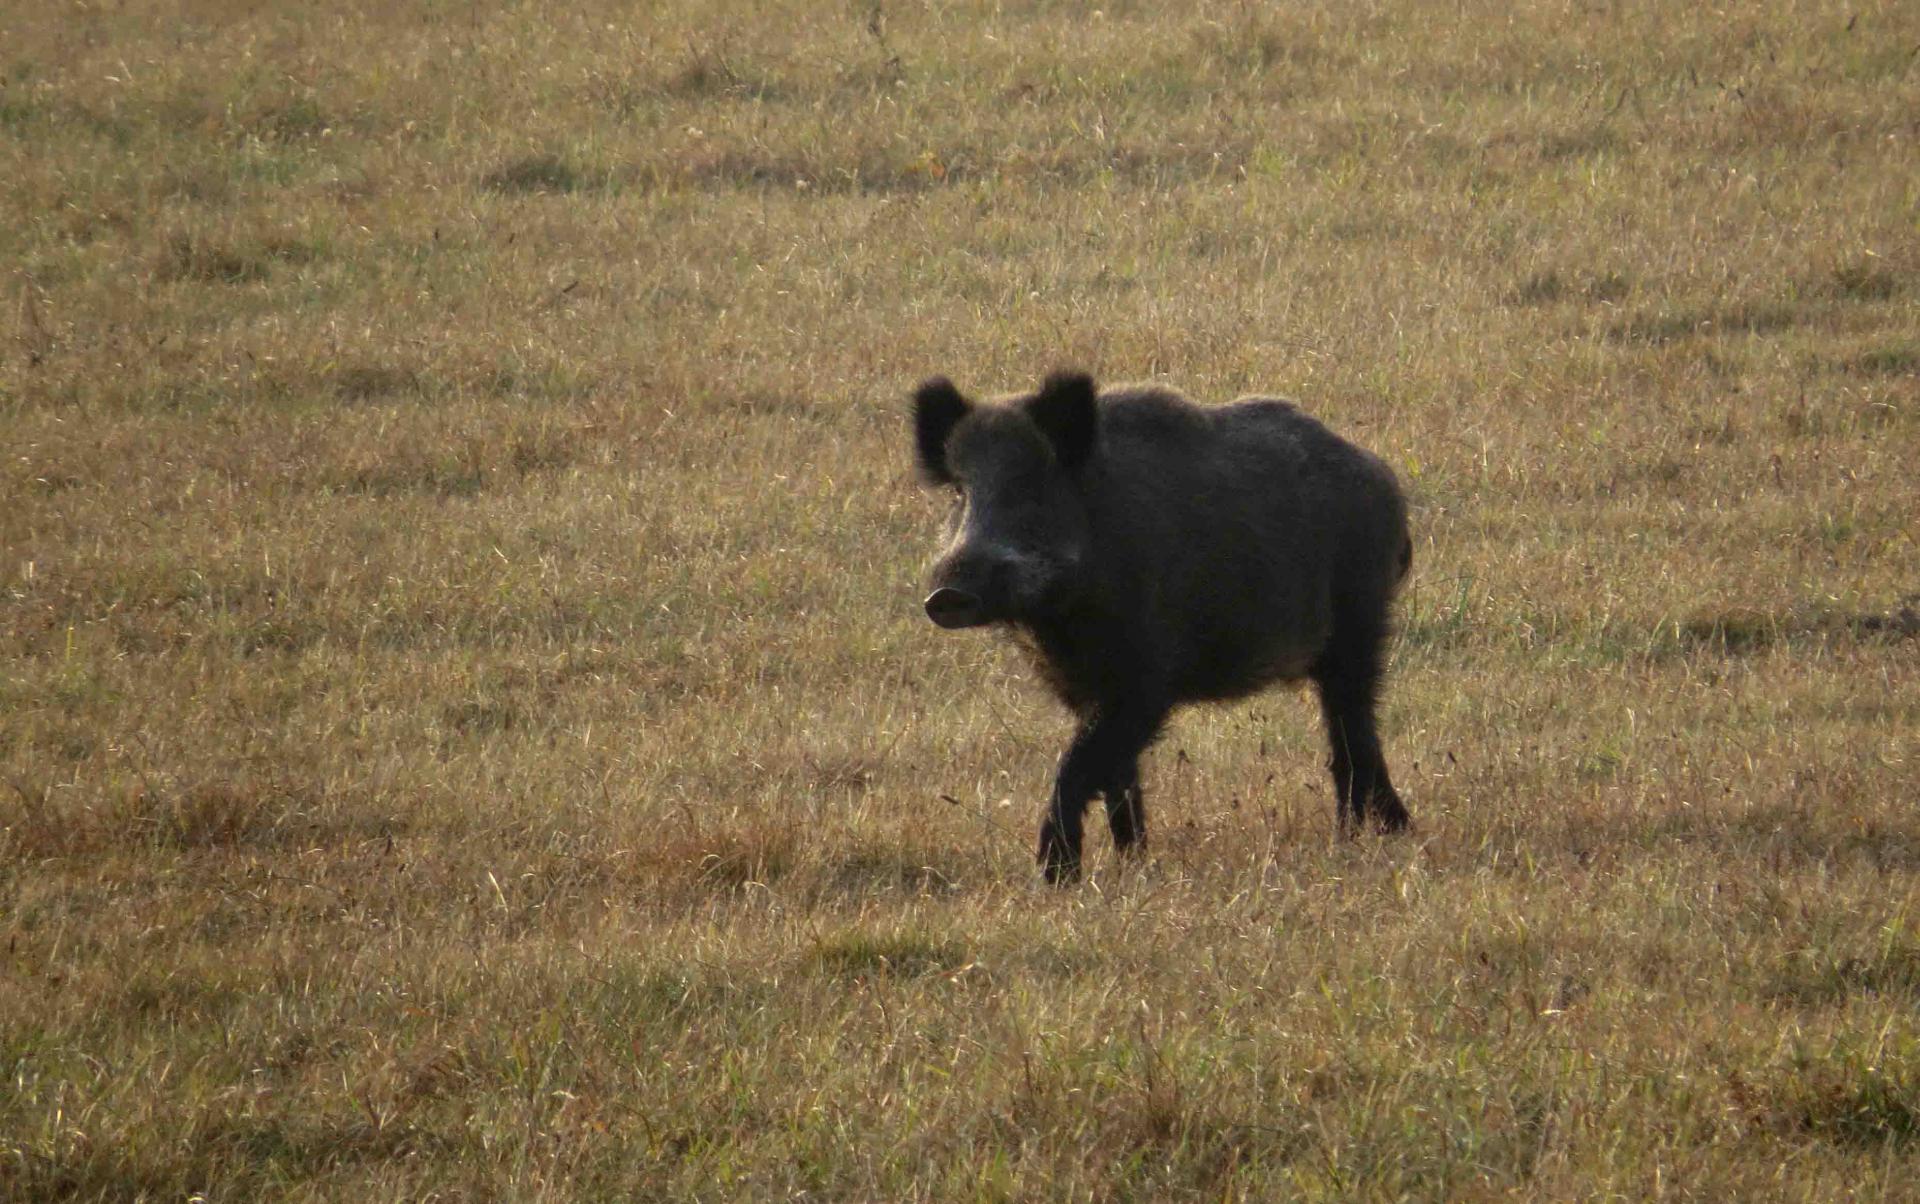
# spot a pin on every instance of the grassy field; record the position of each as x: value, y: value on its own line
x: 467, y: 729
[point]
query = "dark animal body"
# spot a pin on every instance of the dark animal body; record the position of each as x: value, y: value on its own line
x: 1150, y: 552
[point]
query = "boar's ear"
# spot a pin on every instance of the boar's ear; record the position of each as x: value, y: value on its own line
x: 937, y: 405
x: 1063, y: 409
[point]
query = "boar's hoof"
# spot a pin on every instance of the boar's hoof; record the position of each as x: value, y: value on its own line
x: 951, y: 607
x: 1058, y: 858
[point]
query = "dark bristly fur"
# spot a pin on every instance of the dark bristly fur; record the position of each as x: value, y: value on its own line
x: 1151, y: 552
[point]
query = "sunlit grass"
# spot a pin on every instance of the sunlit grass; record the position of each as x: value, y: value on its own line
x: 465, y: 726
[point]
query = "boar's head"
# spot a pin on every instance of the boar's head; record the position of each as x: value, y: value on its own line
x: 1019, y: 537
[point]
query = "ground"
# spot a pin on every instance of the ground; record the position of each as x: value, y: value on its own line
x: 467, y: 729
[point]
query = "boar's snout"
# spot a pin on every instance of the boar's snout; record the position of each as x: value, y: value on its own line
x: 975, y: 584
x: 953, y: 608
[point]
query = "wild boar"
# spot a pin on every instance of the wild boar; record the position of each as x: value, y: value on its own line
x: 1150, y: 552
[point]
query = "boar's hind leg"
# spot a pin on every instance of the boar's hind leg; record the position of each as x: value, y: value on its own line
x: 1348, y: 674
x: 1103, y: 758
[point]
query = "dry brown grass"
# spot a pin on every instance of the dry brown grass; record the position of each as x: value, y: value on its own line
x: 465, y: 728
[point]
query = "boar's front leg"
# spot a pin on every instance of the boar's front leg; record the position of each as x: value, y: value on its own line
x: 1103, y: 759
x: 1127, y: 810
